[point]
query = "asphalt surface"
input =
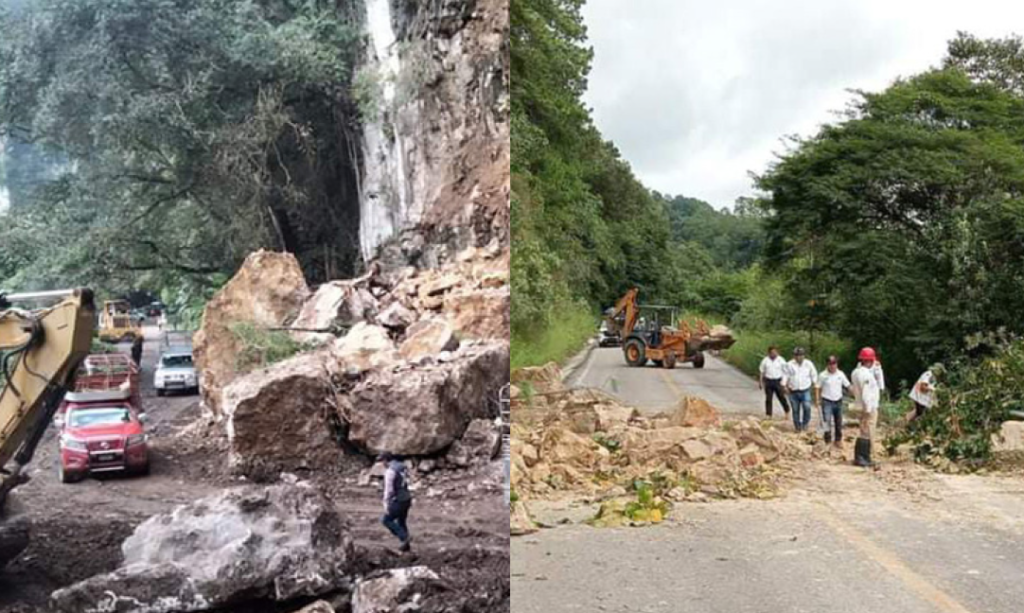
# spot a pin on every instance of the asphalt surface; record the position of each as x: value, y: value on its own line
x: 842, y: 540
x: 851, y: 543
x: 656, y: 389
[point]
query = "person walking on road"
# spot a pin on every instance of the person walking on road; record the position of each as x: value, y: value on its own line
x: 773, y: 380
x: 137, y: 347
x: 801, y: 377
x: 867, y: 383
x: 397, y: 499
x: 923, y: 393
x: 831, y: 387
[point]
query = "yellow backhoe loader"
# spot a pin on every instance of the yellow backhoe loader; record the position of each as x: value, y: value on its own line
x: 648, y: 333
x: 40, y: 350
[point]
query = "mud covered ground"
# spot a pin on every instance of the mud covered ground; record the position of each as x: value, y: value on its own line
x: 459, y: 521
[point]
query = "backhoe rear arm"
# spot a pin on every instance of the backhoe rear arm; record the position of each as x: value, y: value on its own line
x: 42, y: 350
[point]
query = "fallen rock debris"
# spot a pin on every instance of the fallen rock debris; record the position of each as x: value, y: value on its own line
x: 585, y: 444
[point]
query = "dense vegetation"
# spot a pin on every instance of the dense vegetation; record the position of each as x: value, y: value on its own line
x: 173, y: 137
x: 904, y: 224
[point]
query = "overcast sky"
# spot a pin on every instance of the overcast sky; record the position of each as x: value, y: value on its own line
x: 696, y: 94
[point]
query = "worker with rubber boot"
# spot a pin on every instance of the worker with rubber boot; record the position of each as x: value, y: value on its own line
x: 397, y: 499
x: 867, y: 381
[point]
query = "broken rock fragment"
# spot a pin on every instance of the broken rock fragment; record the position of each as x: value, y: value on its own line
x: 428, y: 338
x: 389, y: 592
x: 480, y: 443
x: 246, y: 545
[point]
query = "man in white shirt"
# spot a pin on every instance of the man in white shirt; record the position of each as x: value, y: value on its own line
x: 832, y: 386
x: 801, y: 377
x: 773, y: 380
x: 867, y: 383
x: 923, y: 393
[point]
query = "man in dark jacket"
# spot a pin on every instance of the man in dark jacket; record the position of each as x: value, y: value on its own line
x: 397, y: 499
x: 137, y: 344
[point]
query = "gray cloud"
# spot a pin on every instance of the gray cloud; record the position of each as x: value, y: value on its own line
x: 698, y: 94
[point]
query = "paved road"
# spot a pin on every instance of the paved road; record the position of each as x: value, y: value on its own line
x: 853, y: 544
x: 658, y: 389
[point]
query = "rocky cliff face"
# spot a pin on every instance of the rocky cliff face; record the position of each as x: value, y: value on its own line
x: 436, y: 154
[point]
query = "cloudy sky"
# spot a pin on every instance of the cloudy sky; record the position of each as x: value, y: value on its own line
x: 697, y: 94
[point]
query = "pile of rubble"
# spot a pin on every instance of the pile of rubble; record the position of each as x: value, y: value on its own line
x: 585, y: 444
x: 408, y: 361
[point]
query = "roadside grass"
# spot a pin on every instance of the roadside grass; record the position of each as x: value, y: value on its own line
x: 752, y: 346
x: 566, y: 334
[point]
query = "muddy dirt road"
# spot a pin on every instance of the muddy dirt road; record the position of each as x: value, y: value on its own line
x: 459, y: 521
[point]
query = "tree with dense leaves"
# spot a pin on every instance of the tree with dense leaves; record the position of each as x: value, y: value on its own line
x: 904, y: 222
x: 195, y: 131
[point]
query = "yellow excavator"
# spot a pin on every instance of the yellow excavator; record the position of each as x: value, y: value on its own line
x: 41, y: 347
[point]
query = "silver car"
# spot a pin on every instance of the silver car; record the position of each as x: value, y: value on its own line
x: 176, y: 373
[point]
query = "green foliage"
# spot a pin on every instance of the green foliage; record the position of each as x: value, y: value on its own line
x: 734, y: 240
x: 973, y: 401
x: 565, y: 333
x: 261, y: 347
x: 193, y: 131
x: 902, y: 224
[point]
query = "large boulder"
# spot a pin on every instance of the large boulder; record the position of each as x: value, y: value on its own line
x: 276, y: 418
x: 267, y: 291
x: 423, y: 409
x: 540, y: 380
x: 1010, y: 438
x: 388, y: 592
x: 244, y: 545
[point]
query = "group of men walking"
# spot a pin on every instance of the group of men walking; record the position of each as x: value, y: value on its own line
x: 798, y: 386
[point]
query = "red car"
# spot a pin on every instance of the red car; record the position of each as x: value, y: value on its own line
x: 102, y: 438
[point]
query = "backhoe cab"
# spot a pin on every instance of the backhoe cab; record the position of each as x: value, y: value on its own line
x: 648, y: 334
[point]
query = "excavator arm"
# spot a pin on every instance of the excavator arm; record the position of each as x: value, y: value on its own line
x: 39, y: 353
x: 627, y: 308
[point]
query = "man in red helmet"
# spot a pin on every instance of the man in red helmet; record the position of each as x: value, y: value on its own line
x: 868, y: 382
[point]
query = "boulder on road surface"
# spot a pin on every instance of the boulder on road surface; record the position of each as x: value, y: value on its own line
x: 267, y: 290
x: 276, y: 418
x: 241, y: 546
x: 541, y: 379
x: 421, y: 410
x: 692, y: 412
x: 387, y: 593
x: 480, y: 443
x: 480, y: 314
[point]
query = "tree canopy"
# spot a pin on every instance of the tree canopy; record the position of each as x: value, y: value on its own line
x: 904, y: 221
x: 194, y: 131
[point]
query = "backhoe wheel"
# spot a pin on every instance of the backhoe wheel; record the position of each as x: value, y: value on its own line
x: 636, y: 352
x: 698, y: 360
x: 670, y: 360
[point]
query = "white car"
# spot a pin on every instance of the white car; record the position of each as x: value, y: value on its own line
x: 176, y: 373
